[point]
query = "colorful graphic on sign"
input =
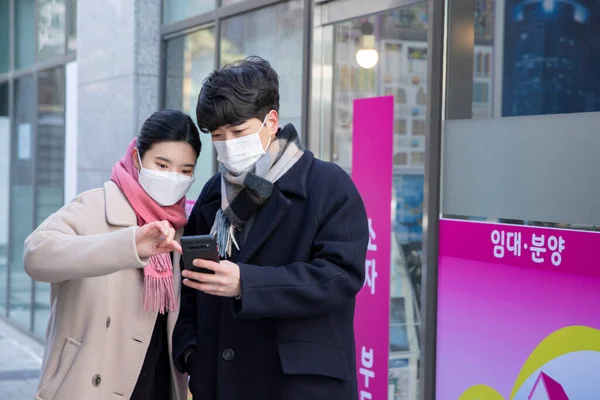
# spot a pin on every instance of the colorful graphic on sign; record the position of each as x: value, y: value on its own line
x: 517, y: 306
x: 372, y: 165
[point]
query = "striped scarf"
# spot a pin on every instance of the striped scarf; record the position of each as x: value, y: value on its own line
x: 243, y: 195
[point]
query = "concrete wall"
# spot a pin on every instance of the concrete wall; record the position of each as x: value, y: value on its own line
x: 118, y: 53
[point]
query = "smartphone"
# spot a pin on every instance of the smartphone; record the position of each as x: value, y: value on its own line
x: 203, y: 247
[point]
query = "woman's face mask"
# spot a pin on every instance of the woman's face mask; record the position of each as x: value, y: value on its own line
x: 165, y: 187
x: 240, y: 154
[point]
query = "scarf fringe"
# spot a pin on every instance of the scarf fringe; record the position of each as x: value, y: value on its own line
x: 159, y: 294
x: 224, y: 233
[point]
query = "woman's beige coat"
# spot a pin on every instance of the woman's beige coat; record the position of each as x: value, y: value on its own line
x: 98, y: 332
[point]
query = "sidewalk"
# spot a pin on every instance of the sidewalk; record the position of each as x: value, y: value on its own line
x: 20, y: 361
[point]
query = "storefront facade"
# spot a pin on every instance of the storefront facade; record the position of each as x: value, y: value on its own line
x: 493, y: 111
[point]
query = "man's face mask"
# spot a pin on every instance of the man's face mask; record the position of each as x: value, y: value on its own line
x: 165, y: 187
x: 240, y: 154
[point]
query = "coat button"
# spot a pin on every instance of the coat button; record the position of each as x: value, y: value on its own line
x: 96, y: 380
x: 107, y: 322
x: 228, y: 354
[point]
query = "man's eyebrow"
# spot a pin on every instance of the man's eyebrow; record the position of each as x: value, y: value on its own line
x: 189, y: 165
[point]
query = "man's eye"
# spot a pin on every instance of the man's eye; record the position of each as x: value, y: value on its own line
x: 186, y: 172
x: 238, y: 131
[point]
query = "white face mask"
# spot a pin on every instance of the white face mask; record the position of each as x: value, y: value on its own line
x: 165, y: 187
x: 240, y: 154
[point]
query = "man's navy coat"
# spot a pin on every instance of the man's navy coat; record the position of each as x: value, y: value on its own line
x: 290, y: 336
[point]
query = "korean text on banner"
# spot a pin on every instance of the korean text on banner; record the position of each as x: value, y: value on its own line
x: 518, y: 306
x: 372, y: 168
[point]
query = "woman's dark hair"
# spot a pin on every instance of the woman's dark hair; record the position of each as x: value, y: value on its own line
x: 238, y: 92
x: 168, y: 126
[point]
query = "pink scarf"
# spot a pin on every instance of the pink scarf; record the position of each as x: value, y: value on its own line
x: 159, y: 293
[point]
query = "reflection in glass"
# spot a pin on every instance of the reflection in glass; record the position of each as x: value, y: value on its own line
x: 177, y: 10
x: 21, y: 198
x: 4, y: 35
x: 190, y: 59
x: 51, y: 17
x: 50, y: 161
x: 401, y: 40
x: 274, y: 33
x: 4, y: 192
x: 542, y: 58
x: 24, y: 33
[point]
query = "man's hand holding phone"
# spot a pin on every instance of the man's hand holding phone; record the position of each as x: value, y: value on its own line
x: 203, y: 270
x: 224, y: 282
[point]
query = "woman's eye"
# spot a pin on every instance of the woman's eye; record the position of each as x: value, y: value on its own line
x: 162, y: 166
x: 187, y: 172
x: 238, y: 131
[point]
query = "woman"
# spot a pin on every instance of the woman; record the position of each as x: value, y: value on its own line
x: 114, y: 291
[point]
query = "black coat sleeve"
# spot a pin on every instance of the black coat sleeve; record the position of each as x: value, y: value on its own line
x: 185, y: 333
x: 336, y: 271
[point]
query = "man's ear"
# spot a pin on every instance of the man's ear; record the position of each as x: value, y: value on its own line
x: 273, y: 122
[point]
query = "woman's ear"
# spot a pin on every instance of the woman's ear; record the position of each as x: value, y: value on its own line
x: 136, y: 159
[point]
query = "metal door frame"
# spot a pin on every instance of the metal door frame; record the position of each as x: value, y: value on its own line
x: 326, y: 14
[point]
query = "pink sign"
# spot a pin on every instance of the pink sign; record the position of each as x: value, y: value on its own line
x: 189, y: 205
x: 517, y: 312
x: 372, y: 168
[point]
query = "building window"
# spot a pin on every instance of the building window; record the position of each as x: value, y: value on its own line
x: 270, y: 33
x: 4, y: 191
x: 49, y: 168
x: 4, y: 35
x: 72, y: 25
x: 190, y: 58
x: 24, y: 33
x: 177, y: 10
x: 32, y: 141
x: 50, y: 28
x: 21, y: 198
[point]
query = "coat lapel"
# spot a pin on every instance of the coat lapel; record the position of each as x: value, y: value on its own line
x: 270, y: 215
x: 209, y: 212
x: 267, y: 219
x: 117, y: 208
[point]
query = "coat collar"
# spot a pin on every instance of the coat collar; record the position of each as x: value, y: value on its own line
x: 117, y: 207
x: 293, y: 183
x: 118, y: 210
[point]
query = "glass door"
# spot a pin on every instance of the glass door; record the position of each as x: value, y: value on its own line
x: 380, y: 52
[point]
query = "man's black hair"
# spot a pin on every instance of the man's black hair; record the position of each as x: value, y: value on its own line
x: 238, y: 92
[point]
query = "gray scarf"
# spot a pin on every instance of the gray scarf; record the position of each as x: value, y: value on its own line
x: 243, y: 195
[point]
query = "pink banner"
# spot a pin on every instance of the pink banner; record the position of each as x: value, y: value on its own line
x: 372, y: 168
x: 547, y: 249
x: 517, y: 312
x: 189, y: 205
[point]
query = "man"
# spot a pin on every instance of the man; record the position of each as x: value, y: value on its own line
x: 275, y: 320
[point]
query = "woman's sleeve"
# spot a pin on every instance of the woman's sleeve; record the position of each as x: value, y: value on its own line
x: 56, y: 251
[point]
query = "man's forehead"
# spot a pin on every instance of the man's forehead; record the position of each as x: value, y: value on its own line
x: 233, y: 126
